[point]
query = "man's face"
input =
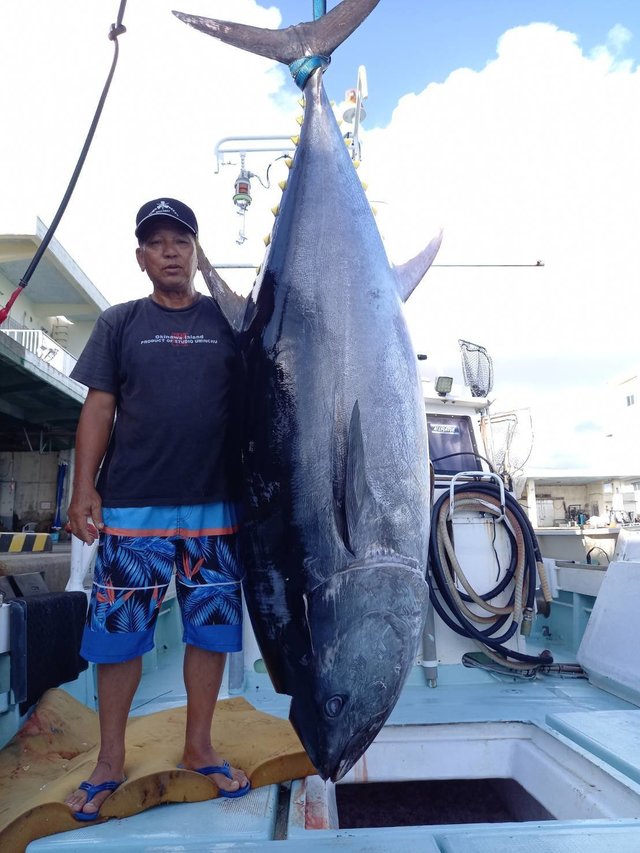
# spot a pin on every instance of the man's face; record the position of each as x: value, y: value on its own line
x: 168, y: 256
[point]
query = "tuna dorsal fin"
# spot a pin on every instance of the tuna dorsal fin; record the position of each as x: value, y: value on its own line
x: 411, y: 274
x: 231, y: 304
x: 359, y: 501
x: 319, y: 37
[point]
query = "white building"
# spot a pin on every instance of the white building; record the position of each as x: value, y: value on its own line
x: 623, y: 421
x: 570, y: 498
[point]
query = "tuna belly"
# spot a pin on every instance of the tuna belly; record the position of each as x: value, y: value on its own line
x: 273, y: 590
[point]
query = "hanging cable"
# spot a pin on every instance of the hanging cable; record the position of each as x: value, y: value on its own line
x: 451, y: 593
x: 465, y: 453
x: 116, y: 30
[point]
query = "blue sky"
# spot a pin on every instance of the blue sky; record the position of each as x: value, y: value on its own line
x: 407, y: 44
x: 520, y: 139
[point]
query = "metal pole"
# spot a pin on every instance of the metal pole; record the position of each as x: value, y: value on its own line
x: 319, y: 9
x: 243, y: 149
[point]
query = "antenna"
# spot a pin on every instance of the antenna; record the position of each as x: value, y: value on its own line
x: 356, y: 114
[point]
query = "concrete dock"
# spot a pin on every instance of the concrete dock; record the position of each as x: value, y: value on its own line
x: 54, y: 565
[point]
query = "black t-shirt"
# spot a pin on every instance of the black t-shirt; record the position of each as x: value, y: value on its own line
x: 177, y: 376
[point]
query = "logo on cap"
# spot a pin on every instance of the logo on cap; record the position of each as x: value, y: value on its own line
x: 163, y: 207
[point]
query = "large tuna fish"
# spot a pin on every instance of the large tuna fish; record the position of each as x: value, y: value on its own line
x: 335, y: 442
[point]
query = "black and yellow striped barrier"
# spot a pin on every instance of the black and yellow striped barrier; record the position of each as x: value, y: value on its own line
x: 17, y: 543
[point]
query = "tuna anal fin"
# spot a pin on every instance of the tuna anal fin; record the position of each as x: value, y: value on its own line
x: 231, y: 304
x: 411, y: 274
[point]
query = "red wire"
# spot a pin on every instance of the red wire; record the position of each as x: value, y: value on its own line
x: 4, y: 312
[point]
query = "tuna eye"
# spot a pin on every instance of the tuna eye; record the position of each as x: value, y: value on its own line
x: 333, y: 706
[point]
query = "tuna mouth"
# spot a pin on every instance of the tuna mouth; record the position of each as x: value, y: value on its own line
x: 351, y: 754
x: 329, y: 768
x: 335, y: 766
x: 343, y: 768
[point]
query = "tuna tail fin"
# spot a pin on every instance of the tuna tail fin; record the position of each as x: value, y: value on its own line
x: 411, y: 274
x: 230, y: 303
x: 319, y: 37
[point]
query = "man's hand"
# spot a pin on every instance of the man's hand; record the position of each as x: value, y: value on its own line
x: 92, y: 438
x: 85, y: 515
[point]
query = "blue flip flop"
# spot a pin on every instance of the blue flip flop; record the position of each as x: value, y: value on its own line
x: 225, y: 770
x: 92, y: 790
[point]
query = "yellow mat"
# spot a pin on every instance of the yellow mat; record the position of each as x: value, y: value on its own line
x: 57, y: 749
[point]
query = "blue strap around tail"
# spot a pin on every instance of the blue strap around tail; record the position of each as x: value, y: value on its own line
x: 303, y: 68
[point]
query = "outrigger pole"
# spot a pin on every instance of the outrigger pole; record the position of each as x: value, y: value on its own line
x: 116, y: 30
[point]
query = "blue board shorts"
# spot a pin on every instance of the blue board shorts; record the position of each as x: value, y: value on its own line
x: 137, y: 552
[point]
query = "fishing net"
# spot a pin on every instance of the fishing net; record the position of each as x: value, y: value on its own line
x: 512, y: 442
x: 477, y: 368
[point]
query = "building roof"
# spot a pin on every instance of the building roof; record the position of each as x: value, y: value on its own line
x: 576, y: 477
x: 58, y: 285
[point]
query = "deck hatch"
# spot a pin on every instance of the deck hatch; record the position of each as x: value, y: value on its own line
x: 537, y: 774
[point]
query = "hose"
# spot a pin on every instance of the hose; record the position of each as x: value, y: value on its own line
x: 497, y: 624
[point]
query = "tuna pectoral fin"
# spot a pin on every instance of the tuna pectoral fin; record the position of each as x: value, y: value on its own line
x: 231, y: 304
x: 318, y: 37
x: 411, y: 274
x: 359, y: 501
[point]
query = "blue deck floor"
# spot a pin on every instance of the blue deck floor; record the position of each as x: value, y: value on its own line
x: 573, y: 711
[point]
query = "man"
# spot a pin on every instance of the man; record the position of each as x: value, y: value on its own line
x: 168, y: 366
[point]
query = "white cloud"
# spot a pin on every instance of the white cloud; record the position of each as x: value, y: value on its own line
x: 611, y: 53
x: 534, y: 157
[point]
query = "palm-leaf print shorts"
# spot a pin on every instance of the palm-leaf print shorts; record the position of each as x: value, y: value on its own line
x: 138, y: 550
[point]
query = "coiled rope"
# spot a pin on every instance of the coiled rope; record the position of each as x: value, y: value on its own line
x: 494, y: 625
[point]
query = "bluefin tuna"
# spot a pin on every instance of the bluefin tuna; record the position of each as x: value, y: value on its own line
x: 335, y: 445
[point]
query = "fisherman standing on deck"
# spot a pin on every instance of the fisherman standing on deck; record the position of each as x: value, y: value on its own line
x: 169, y: 367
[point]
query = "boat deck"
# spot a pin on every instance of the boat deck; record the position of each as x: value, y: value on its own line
x: 589, y: 724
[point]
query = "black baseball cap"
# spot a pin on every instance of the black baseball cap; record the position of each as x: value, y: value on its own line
x: 167, y: 208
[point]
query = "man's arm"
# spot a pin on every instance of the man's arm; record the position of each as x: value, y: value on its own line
x: 92, y: 439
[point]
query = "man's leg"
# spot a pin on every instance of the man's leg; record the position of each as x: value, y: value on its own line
x: 203, y: 672
x: 117, y: 683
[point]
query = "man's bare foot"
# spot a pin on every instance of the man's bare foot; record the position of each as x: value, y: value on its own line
x: 212, y: 758
x: 78, y: 800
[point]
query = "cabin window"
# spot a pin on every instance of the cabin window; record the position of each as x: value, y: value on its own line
x: 631, y: 398
x: 452, y: 446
